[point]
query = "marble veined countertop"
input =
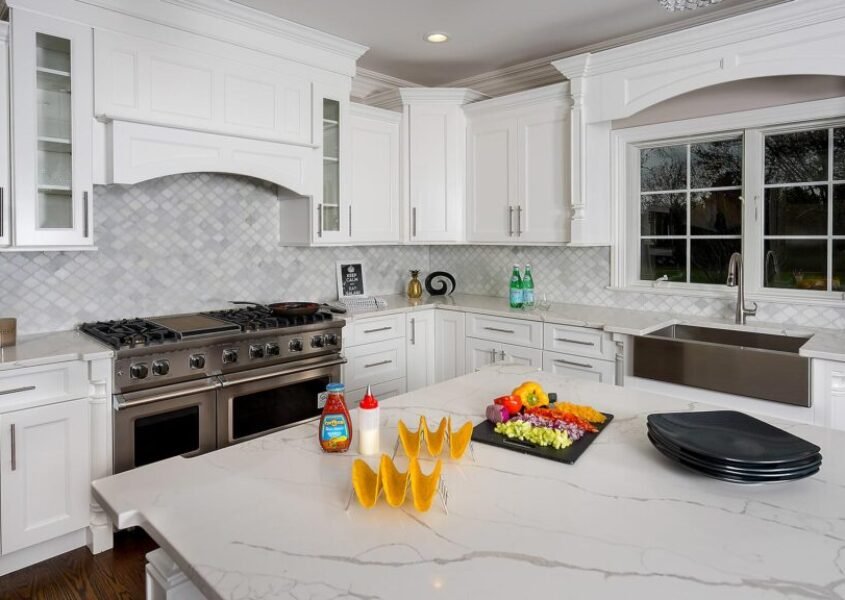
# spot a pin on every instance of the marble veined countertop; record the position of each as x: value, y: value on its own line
x: 823, y: 343
x: 265, y: 519
x: 47, y: 348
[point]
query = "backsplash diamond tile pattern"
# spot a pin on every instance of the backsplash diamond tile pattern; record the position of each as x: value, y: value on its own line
x: 194, y: 242
x: 179, y: 244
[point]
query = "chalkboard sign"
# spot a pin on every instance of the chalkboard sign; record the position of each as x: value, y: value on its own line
x: 350, y: 279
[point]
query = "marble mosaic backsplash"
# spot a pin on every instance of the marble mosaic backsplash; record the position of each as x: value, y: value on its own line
x: 194, y: 242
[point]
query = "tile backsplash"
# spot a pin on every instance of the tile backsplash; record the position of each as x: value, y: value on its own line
x: 194, y: 242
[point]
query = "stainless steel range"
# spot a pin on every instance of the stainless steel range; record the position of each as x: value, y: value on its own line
x: 188, y: 384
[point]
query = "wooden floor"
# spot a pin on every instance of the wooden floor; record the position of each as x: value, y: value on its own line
x: 78, y: 575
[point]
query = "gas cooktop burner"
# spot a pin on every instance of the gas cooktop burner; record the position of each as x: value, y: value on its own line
x: 128, y: 333
x: 257, y: 318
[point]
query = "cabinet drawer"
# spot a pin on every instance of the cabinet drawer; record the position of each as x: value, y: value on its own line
x: 374, y: 363
x: 382, y: 391
x: 374, y: 329
x: 581, y: 341
x: 42, y: 384
x: 502, y: 329
x: 579, y: 367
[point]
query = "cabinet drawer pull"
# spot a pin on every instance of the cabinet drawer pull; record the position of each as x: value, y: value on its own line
x: 28, y: 388
x: 518, y: 221
x: 573, y: 364
x: 414, y: 222
x: 378, y: 329
x: 413, y: 332
x: 499, y: 330
x: 2, y: 209
x: 85, y: 217
x: 319, y: 220
x: 510, y: 220
x: 378, y: 364
x: 579, y: 342
x: 14, y: 450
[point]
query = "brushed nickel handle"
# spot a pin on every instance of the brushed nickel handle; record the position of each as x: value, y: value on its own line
x: 414, y: 222
x: 2, y: 211
x: 319, y: 220
x: 518, y: 221
x: 510, y: 220
x: 28, y: 388
x: 85, y: 226
x: 579, y: 342
x: 376, y: 330
x: 502, y: 354
x: 499, y: 330
x: 493, y: 354
x: 350, y: 221
x: 122, y: 404
x: 378, y: 364
x: 413, y: 332
x: 14, y: 450
x: 573, y: 364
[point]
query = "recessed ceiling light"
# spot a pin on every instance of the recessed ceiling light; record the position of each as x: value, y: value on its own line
x: 437, y: 37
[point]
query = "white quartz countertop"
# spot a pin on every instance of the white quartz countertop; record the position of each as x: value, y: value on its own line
x: 47, y: 348
x: 823, y: 343
x: 265, y: 519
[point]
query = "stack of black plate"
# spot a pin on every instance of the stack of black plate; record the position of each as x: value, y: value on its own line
x: 733, y: 446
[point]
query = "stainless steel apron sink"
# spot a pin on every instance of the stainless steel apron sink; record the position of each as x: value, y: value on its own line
x: 744, y: 363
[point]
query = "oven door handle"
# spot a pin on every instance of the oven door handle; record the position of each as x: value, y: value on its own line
x: 281, y: 373
x: 121, y: 403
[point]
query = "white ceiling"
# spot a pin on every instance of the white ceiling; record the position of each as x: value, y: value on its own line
x: 486, y: 34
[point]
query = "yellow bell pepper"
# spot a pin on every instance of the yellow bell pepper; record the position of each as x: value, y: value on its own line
x: 532, y: 395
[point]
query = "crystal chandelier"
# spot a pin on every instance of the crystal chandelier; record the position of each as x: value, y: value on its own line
x: 678, y: 5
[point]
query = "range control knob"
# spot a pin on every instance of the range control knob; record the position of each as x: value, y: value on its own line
x: 317, y: 341
x: 256, y: 351
x: 139, y: 371
x: 230, y: 355
x: 295, y: 345
x: 272, y: 349
x: 161, y: 367
x: 331, y: 339
x: 197, y: 361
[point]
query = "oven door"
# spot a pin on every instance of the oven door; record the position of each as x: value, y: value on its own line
x: 173, y: 420
x: 256, y: 402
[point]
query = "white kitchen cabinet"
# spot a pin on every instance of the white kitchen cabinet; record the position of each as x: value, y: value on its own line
x: 450, y: 340
x: 373, y: 213
x: 382, y: 391
x: 45, y: 473
x: 332, y: 199
x: 828, y: 393
x: 434, y: 162
x: 517, y: 188
x: 52, y: 141
x: 521, y: 332
x: 421, y: 348
x: 580, y: 341
x: 5, y: 160
x: 480, y: 353
x: 374, y: 363
x: 580, y: 367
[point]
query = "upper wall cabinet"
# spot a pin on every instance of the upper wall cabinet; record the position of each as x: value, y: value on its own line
x: 375, y: 201
x: 517, y: 168
x: 156, y: 83
x: 434, y: 162
x: 5, y: 195
x: 52, y: 139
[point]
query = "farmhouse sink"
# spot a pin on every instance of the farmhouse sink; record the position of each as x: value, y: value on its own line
x: 743, y: 363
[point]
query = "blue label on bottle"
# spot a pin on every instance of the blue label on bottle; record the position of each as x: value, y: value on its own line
x: 528, y: 296
x: 335, y: 429
x: 516, y: 296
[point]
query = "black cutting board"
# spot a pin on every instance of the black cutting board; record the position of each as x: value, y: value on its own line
x: 483, y: 434
x: 730, y: 436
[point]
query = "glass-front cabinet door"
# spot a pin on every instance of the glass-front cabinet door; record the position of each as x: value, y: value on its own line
x: 52, y: 96
x: 332, y: 209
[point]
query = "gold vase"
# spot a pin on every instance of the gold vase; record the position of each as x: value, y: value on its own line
x: 414, y: 286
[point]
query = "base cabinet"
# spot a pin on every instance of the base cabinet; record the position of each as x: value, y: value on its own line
x: 382, y: 391
x: 420, y: 349
x: 481, y: 353
x: 45, y: 473
x: 450, y: 339
x: 579, y: 367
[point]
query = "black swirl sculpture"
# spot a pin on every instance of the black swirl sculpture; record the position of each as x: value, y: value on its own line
x: 443, y: 283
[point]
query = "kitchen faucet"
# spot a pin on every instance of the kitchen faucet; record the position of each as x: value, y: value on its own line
x: 735, y: 279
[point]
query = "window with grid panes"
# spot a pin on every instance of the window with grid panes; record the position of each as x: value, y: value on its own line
x: 690, y: 210
x: 804, y: 210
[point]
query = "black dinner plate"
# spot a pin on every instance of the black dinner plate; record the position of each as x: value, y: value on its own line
x: 731, y: 436
x: 730, y: 474
x: 735, y: 467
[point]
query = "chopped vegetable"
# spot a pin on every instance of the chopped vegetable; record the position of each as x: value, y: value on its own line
x: 588, y: 413
x: 564, y: 416
x: 497, y: 414
x: 541, y: 436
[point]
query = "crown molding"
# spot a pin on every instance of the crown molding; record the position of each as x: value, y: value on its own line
x: 363, y: 110
x: 439, y: 95
x: 367, y: 83
x: 556, y: 92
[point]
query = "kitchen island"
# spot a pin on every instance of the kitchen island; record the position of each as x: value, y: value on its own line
x: 268, y: 519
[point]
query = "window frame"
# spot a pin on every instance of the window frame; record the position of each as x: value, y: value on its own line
x: 753, y: 125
